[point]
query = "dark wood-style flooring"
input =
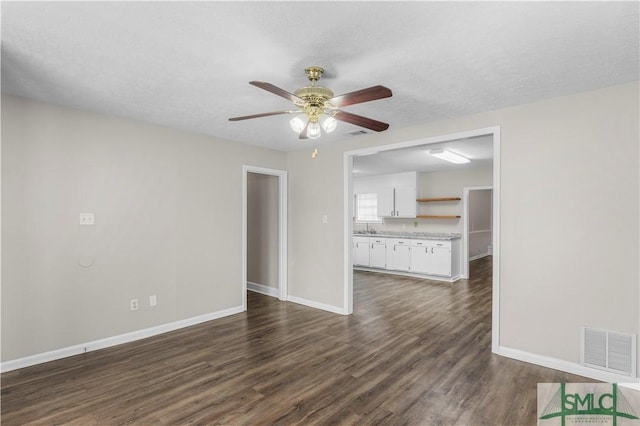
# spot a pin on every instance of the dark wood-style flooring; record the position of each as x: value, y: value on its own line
x: 415, y: 352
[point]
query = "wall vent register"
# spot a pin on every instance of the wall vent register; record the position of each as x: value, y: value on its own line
x: 609, y: 350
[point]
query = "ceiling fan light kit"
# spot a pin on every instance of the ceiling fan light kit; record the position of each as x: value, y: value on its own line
x: 319, y: 110
x: 328, y: 123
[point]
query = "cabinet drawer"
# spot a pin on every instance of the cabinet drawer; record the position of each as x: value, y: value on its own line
x: 361, y: 240
x: 438, y: 243
x: 398, y: 242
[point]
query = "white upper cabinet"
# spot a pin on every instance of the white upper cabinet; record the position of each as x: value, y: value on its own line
x: 396, y: 194
x: 405, y: 201
x: 397, y: 202
x: 386, y: 205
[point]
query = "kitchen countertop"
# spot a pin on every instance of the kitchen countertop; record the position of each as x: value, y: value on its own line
x: 411, y: 235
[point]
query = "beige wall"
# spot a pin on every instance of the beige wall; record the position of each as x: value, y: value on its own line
x: 450, y: 184
x: 262, y: 229
x: 569, y: 216
x: 168, y: 209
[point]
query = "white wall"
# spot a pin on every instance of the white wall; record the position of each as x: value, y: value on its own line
x: 168, y: 209
x: 262, y: 229
x: 569, y: 216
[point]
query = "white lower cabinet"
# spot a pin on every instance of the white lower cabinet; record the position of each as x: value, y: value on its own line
x: 400, y: 255
x: 378, y: 253
x: 361, y: 251
x: 440, y: 259
x: 437, y: 258
x: 431, y: 257
x: 419, y: 257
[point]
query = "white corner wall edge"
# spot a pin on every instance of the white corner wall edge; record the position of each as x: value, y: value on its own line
x: 316, y: 305
x: 569, y: 367
x: 114, y: 340
x: 263, y: 289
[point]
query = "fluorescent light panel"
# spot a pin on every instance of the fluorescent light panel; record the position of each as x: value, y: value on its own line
x: 449, y: 156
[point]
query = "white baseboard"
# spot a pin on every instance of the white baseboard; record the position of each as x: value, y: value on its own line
x: 567, y: 366
x: 263, y: 289
x: 409, y: 274
x: 113, y: 341
x: 479, y: 256
x: 317, y: 305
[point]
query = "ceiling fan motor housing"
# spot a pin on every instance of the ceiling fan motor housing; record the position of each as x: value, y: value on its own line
x: 316, y: 99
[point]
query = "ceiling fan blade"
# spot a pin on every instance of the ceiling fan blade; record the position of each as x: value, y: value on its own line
x: 264, y: 114
x: 360, y: 96
x: 361, y: 121
x: 276, y: 90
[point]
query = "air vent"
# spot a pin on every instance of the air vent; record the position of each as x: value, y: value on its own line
x: 609, y: 350
x: 357, y: 132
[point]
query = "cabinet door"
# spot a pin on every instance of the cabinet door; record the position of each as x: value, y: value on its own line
x: 401, y: 257
x: 439, y: 261
x: 420, y: 257
x: 385, y: 203
x: 378, y: 254
x: 361, y: 251
x: 405, y: 201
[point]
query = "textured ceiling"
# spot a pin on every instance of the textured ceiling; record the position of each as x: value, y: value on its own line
x: 187, y: 64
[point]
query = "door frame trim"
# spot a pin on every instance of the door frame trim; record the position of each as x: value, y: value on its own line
x: 493, y: 131
x: 283, y: 183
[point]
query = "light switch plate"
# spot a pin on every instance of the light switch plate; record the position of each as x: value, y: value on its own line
x: 87, y: 219
x: 325, y: 219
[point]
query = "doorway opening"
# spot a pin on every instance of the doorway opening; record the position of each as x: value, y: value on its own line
x: 493, y: 135
x: 264, y: 232
x: 478, y: 225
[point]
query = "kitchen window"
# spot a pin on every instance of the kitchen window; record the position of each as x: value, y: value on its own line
x: 367, y: 208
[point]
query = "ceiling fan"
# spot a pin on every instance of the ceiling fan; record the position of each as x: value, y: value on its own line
x: 319, y: 108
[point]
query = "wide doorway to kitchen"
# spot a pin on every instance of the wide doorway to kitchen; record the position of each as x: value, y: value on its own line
x: 408, y: 220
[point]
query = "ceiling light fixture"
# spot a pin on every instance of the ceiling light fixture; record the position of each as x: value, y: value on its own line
x: 319, y: 109
x: 326, y: 122
x: 449, y: 156
x: 313, y: 130
x: 297, y: 124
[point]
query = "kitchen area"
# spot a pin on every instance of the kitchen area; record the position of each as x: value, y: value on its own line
x: 412, y: 213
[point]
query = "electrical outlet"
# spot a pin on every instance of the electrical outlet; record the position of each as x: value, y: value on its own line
x: 153, y: 300
x: 134, y: 304
x: 87, y: 219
